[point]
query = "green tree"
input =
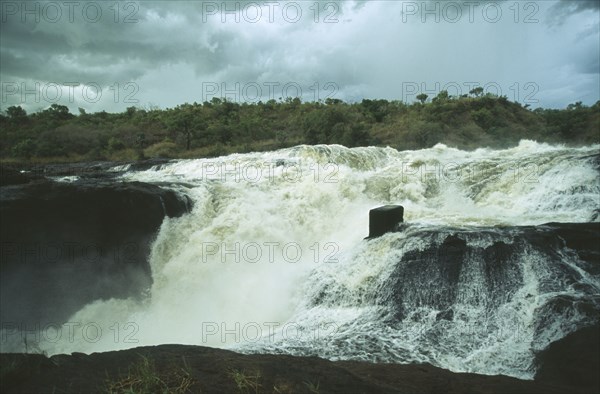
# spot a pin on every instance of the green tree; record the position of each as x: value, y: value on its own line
x: 442, y: 97
x: 483, y: 118
x: 25, y: 148
x: 376, y: 108
x: 478, y: 91
x: 422, y: 98
x: 58, y: 111
x: 16, y: 113
x: 186, y: 120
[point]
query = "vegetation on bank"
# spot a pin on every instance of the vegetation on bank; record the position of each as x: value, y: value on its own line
x: 221, y: 127
x: 144, y: 377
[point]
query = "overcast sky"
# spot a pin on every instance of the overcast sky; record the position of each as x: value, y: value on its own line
x: 109, y: 56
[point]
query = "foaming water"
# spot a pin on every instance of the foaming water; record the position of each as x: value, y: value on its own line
x: 414, y: 296
x: 271, y: 259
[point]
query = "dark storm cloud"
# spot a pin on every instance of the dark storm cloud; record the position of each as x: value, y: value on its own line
x: 103, y: 51
x: 172, y: 48
x: 565, y: 8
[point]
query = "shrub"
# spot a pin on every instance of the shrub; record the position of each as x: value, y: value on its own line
x: 161, y: 149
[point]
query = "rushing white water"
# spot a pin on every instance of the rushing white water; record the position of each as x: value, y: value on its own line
x: 272, y: 232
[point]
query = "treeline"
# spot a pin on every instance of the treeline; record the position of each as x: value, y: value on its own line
x: 220, y: 127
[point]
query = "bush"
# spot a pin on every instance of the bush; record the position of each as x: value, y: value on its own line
x: 162, y: 149
x: 24, y: 148
x: 115, y: 144
x: 125, y: 155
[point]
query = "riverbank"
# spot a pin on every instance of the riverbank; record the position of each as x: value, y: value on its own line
x: 182, y: 369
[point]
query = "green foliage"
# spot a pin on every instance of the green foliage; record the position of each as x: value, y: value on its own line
x: 442, y: 97
x: 484, y: 118
x: 221, y: 127
x: 478, y: 91
x: 16, y: 113
x: 578, y: 123
x: 115, y: 144
x: 122, y: 155
x: 58, y: 111
x: 24, y: 148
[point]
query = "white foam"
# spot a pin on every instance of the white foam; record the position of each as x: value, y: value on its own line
x: 318, y: 198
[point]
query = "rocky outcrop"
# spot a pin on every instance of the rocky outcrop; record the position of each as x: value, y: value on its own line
x: 17, y: 174
x: 458, y: 289
x: 66, y: 244
x: 494, y: 255
x: 12, y: 176
x: 181, y: 368
x: 573, y: 360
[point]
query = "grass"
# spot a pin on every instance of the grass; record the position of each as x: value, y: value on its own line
x: 246, y: 383
x: 251, y: 383
x: 312, y: 387
x: 283, y: 388
x: 143, y: 377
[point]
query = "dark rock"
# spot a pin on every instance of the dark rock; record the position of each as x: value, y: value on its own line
x: 573, y: 360
x: 429, y: 276
x: 208, y: 370
x: 86, y: 170
x: 67, y: 244
x: 384, y: 219
x: 438, y: 267
x: 104, y: 170
x: 12, y: 176
x: 581, y: 238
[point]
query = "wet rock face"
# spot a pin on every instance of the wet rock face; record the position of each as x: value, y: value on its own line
x: 435, y: 275
x: 573, y: 360
x: 67, y: 244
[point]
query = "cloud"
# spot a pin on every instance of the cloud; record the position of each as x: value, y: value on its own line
x: 563, y: 9
x: 171, y: 50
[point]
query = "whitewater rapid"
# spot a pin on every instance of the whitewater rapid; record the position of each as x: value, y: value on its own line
x: 272, y: 257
